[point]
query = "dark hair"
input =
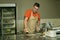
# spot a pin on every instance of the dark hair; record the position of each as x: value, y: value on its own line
x: 36, y: 4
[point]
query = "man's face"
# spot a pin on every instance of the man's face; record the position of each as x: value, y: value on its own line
x: 35, y: 9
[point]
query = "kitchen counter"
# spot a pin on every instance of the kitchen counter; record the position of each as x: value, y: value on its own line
x: 29, y: 37
x: 37, y: 37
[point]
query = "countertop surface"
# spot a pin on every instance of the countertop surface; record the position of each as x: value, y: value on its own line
x: 37, y: 37
x: 28, y: 37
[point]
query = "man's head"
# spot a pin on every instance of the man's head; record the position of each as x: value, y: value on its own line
x: 36, y: 7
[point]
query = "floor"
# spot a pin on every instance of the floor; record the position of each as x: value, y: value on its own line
x: 27, y: 37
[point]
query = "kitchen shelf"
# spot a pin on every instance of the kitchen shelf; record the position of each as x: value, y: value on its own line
x: 8, y: 23
x: 8, y: 13
x: 9, y: 27
x: 10, y: 33
x: 8, y: 20
x: 8, y: 30
x: 8, y: 17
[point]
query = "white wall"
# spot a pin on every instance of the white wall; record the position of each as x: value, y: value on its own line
x: 55, y: 22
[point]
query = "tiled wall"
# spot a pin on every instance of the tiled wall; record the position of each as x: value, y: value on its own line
x: 55, y: 22
x: 19, y: 25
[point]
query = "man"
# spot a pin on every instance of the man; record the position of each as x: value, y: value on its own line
x: 32, y: 19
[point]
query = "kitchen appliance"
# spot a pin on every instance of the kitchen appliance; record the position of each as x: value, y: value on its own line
x: 51, y: 33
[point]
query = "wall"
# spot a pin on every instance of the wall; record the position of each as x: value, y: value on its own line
x: 48, y: 9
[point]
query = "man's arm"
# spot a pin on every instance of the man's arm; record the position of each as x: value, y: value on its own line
x: 25, y: 24
x: 38, y: 23
x: 38, y: 26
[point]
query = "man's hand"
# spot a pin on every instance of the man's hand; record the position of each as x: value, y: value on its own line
x: 25, y: 30
x: 37, y: 29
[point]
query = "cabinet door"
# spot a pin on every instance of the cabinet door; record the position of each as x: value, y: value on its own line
x: 8, y: 17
